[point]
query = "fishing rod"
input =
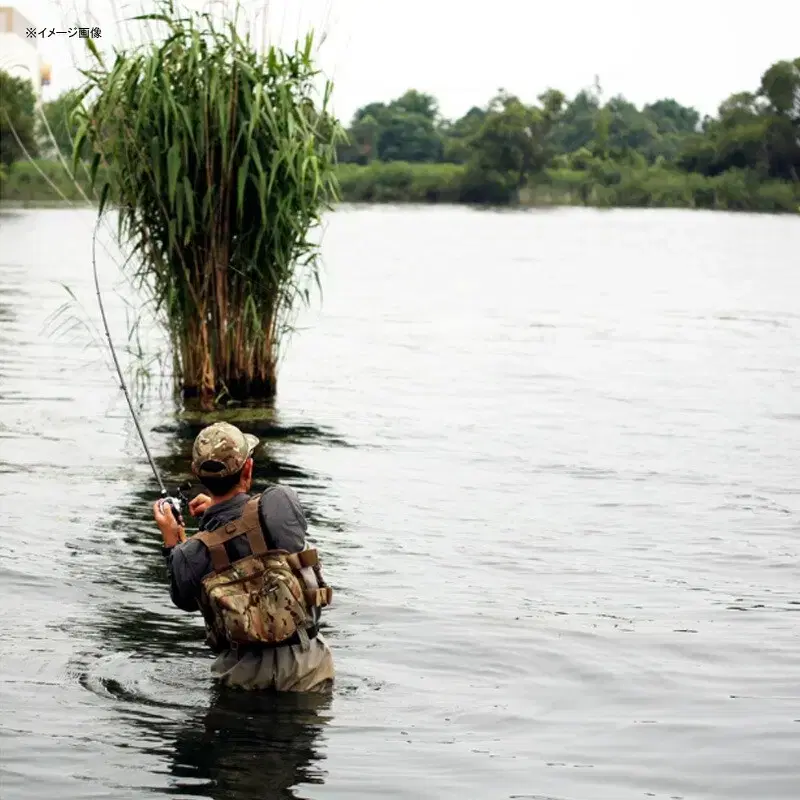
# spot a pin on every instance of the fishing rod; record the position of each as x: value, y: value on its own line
x: 172, y: 501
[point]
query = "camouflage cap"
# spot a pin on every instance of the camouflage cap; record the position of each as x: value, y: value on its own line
x: 221, y: 450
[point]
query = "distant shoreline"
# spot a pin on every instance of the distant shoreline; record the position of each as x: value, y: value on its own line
x: 444, y: 184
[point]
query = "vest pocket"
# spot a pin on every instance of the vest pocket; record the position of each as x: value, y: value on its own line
x: 264, y: 608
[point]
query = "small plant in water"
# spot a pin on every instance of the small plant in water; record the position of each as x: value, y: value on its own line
x: 220, y: 164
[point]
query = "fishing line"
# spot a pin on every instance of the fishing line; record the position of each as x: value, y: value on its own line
x: 174, y: 502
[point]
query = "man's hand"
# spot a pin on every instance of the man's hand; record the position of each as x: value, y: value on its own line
x: 199, y: 504
x: 171, y: 531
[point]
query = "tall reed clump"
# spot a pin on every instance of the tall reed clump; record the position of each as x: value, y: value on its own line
x: 220, y: 164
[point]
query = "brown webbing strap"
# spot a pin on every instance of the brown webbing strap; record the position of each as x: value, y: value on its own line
x: 248, y: 524
x: 219, y: 558
x: 252, y: 527
x: 215, y: 542
x: 212, y: 538
x: 255, y: 539
x: 249, y: 518
x: 305, y: 558
x: 319, y: 597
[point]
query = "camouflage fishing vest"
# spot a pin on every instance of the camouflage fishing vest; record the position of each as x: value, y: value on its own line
x: 264, y: 599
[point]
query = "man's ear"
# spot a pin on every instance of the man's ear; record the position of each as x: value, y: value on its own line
x: 247, y: 471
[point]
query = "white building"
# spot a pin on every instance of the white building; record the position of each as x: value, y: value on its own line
x: 19, y: 54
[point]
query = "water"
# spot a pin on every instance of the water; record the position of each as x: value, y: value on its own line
x: 550, y: 459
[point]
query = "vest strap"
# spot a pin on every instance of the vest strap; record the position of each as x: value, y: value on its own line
x: 305, y: 558
x: 248, y: 525
x: 258, y: 545
x: 319, y: 597
x: 219, y: 558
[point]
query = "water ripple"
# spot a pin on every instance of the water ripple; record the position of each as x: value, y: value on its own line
x: 559, y: 520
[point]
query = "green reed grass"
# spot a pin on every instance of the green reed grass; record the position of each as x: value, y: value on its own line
x: 220, y: 162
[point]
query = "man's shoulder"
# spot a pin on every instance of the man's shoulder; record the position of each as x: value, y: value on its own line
x: 278, y: 490
x: 281, y: 501
x: 282, y: 518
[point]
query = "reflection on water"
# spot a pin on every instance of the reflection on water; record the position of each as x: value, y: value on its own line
x: 249, y: 746
x: 216, y: 743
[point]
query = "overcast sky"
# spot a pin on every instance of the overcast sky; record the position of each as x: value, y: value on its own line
x: 697, y: 51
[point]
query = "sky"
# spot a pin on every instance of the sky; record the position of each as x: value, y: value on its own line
x: 697, y: 51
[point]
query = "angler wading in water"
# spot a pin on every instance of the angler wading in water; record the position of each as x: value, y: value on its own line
x: 249, y: 571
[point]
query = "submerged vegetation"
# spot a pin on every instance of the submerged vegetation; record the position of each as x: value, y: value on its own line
x: 220, y: 164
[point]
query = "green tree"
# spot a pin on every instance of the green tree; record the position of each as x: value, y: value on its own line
x: 403, y: 130
x: 553, y: 102
x: 457, y: 136
x: 378, y: 111
x: 576, y: 124
x: 362, y: 144
x: 510, y: 145
x: 754, y: 131
x: 17, y: 128
x: 670, y: 117
x: 780, y: 86
x: 698, y: 153
x: 409, y: 136
x: 467, y: 126
x: 414, y: 102
x: 739, y: 109
x: 744, y: 146
x: 628, y: 128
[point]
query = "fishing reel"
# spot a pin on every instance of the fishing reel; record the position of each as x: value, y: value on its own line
x: 176, y: 501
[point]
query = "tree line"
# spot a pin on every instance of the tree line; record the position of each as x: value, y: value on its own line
x: 584, y: 150
x: 510, y: 148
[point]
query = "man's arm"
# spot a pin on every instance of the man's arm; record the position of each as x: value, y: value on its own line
x: 183, y: 584
x: 282, y: 518
x: 182, y: 580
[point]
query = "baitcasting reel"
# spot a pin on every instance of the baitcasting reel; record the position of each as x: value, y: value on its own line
x: 176, y: 501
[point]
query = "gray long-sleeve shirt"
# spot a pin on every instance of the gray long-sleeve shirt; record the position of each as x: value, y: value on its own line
x: 282, y: 522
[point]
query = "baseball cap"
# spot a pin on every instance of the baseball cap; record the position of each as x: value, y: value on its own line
x: 221, y: 450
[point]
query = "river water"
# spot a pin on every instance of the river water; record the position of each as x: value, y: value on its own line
x: 550, y: 459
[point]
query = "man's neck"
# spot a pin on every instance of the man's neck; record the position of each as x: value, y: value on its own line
x: 217, y: 499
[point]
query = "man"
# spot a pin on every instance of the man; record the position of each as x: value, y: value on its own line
x: 222, y: 461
